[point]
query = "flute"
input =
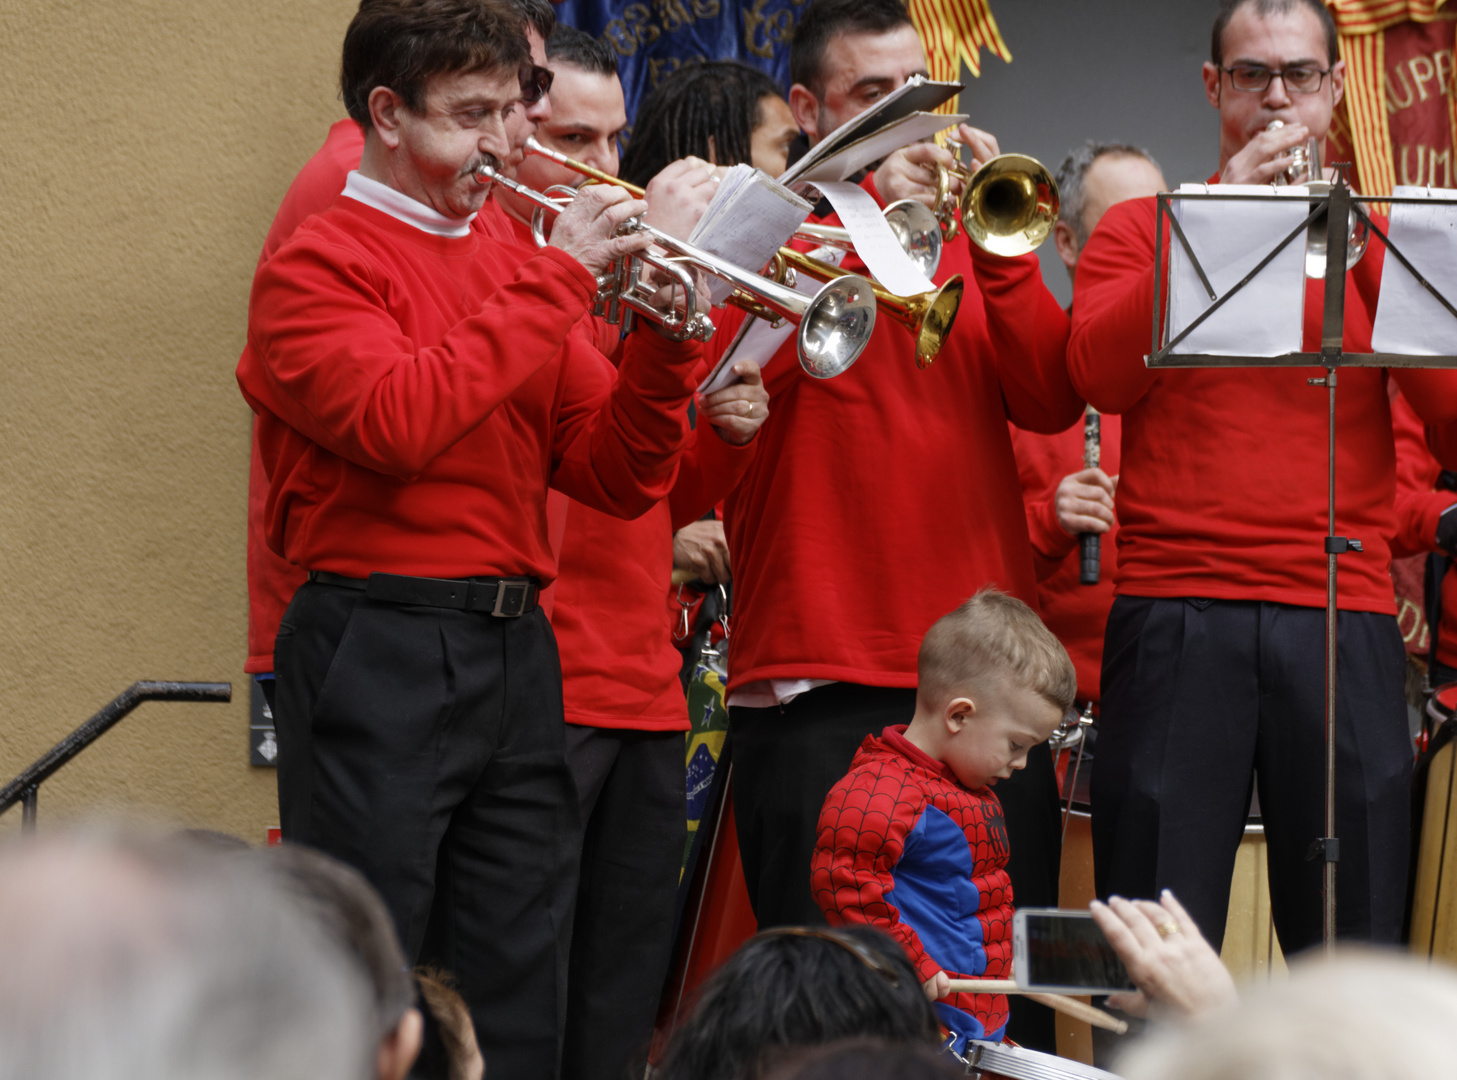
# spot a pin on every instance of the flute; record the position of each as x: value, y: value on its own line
x: 1089, y: 544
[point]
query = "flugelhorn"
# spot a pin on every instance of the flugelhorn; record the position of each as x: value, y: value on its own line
x: 928, y: 315
x: 1008, y: 206
x: 1305, y: 170
x: 915, y: 227
x: 835, y: 323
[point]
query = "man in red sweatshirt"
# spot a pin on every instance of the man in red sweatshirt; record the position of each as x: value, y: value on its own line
x: 878, y: 499
x: 1064, y: 498
x: 1214, y: 656
x: 272, y: 579
x: 417, y: 386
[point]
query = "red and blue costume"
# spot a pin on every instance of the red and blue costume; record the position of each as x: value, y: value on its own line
x: 903, y: 847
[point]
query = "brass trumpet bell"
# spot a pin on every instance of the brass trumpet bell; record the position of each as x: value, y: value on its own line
x: 1010, y: 205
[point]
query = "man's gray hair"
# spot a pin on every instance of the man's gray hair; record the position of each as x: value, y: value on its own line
x: 1074, y: 169
x: 136, y: 957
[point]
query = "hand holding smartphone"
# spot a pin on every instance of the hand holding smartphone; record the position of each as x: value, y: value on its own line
x: 1063, y: 951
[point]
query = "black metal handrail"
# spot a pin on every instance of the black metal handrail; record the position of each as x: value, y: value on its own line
x: 25, y: 788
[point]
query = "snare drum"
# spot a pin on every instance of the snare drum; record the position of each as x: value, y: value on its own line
x: 1002, y: 1061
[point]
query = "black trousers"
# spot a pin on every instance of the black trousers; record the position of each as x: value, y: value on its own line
x: 1204, y: 699
x: 424, y: 747
x: 632, y: 793
x: 788, y: 757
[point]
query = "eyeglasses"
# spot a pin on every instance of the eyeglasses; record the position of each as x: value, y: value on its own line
x: 862, y: 952
x: 535, y: 84
x: 1256, y: 79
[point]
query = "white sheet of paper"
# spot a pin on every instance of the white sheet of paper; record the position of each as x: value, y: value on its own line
x: 1409, y: 319
x: 876, y: 245
x: 855, y: 156
x: 1266, y: 317
x: 750, y: 217
x: 758, y: 340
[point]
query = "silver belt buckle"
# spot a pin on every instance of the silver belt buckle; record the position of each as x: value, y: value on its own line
x: 511, y: 595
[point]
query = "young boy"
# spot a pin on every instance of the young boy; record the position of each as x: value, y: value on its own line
x: 911, y: 840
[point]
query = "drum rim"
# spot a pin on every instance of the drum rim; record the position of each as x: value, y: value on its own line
x: 1020, y: 1063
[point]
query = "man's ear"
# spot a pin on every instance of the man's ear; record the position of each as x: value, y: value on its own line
x: 806, y: 109
x: 1212, y: 84
x: 399, y: 1049
x: 385, y: 107
x: 957, y: 712
x: 1338, y: 82
x: 1067, y: 245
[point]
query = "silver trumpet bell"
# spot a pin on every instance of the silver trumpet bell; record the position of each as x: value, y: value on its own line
x: 1305, y: 170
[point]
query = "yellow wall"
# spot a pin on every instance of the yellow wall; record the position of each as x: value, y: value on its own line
x: 145, y: 147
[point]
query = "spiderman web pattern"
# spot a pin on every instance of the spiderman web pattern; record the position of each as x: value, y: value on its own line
x: 863, y: 827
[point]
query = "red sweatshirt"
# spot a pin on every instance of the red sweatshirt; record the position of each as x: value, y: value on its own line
x: 272, y: 579
x: 881, y: 499
x: 1223, y: 486
x: 619, y: 667
x: 416, y: 394
x: 1076, y: 613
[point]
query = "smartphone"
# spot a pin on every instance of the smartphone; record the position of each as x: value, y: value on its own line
x: 1064, y: 952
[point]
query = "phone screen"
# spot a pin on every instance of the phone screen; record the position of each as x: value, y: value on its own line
x: 1067, y: 949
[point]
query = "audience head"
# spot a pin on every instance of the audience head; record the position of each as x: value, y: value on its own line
x: 134, y: 957
x: 992, y: 683
x: 865, y: 1059
x: 845, y: 56
x: 724, y: 112
x: 1092, y: 178
x: 1361, y: 1016
x: 450, y: 1049
x: 799, y: 986
x: 1273, y: 35
x: 346, y: 907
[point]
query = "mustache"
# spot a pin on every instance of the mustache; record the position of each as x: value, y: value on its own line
x: 486, y: 161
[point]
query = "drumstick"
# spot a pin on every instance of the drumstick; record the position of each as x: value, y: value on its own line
x: 683, y: 577
x: 1078, y: 1010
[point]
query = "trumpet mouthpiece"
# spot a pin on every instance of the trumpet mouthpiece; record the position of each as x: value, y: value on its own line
x: 488, y: 170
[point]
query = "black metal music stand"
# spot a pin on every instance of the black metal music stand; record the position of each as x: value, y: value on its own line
x: 1338, y: 205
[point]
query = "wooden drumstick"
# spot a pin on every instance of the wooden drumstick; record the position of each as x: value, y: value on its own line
x: 1078, y: 1010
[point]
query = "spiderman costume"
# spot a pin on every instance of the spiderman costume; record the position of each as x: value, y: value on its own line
x: 903, y: 847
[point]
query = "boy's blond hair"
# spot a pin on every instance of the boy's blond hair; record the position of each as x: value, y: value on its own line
x: 993, y: 636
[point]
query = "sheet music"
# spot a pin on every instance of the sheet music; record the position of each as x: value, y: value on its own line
x: 917, y: 95
x: 876, y: 245
x: 855, y: 156
x: 1408, y: 318
x: 758, y: 340
x: 749, y: 219
x: 1265, y: 318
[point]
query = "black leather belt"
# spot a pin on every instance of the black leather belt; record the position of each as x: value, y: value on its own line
x: 506, y: 598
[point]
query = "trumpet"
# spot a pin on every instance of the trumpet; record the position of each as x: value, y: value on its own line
x: 917, y: 229
x: 1305, y: 169
x: 835, y: 323
x: 1008, y: 206
x: 928, y: 315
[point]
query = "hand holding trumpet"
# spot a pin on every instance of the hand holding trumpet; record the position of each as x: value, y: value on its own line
x: 586, y: 228
x: 910, y: 173
x: 1265, y: 157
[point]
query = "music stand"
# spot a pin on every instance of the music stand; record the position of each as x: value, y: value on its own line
x: 1338, y: 205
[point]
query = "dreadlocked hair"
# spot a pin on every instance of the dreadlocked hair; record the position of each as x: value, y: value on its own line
x: 716, y: 100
